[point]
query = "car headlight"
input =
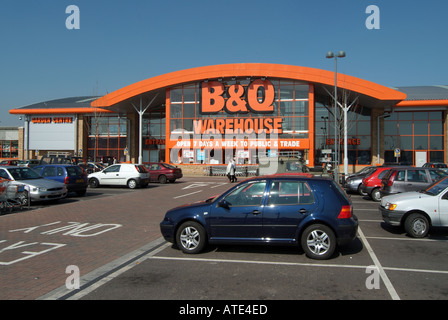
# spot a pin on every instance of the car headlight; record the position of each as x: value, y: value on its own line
x: 390, y: 206
x: 39, y: 189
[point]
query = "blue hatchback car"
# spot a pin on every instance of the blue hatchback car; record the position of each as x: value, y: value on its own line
x: 73, y: 176
x: 304, y: 210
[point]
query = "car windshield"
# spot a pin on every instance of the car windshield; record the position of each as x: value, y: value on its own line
x: 437, y: 187
x: 24, y: 174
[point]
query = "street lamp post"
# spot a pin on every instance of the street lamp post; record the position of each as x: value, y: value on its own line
x: 330, y: 55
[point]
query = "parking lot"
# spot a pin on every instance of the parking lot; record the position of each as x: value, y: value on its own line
x: 118, y: 249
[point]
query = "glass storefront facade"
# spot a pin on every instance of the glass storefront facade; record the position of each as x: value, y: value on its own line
x: 154, y: 123
x: 107, y: 136
x: 359, y: 138
x: 290, y: 114
x: 412, y: 132
x: 9, y: 149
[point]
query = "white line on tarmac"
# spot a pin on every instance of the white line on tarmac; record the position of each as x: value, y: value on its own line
x: 187, y: 194
x: 387, y: 283
x: 260, y: 262
x: 300, y: 264
x: 112, y: 276
x: 407, y: 239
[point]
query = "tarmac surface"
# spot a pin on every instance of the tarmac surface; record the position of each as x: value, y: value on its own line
x: 38, y: 245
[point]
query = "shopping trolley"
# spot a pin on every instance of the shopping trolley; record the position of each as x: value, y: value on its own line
x: 12, y: 195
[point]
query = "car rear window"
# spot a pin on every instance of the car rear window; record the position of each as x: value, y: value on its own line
x: 383, y: 174
x: 141, y: 169
x: 74, y: 171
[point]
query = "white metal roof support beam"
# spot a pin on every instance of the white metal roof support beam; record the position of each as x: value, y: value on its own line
x: 140, y: 112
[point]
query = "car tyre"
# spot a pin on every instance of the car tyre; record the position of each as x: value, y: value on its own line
x: 376, y: 195
x: 318, y: 241
x: 132, y: 184
x: 191, y: 237
x: 416, y: 225
x: 162, y: 179
x: 362, y: 193
x: 94, y: 183
x: 24, y: 198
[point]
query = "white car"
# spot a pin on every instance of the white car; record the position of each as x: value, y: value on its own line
x: 417, y: 211
x: 122, y: 174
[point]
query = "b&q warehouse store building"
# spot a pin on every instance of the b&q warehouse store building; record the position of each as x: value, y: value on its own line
x: 206, y: 115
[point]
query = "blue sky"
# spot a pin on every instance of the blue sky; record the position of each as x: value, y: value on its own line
x: 122, y: 42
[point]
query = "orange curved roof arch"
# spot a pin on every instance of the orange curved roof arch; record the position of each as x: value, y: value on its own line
x: 250, y: 70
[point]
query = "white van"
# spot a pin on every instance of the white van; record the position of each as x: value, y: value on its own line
x: 122, y: 174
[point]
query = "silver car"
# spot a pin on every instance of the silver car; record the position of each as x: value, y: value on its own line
x: 353, y: 182
x: 417, y: 211
x: 37, y: 188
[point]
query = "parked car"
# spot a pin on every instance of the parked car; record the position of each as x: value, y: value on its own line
x: 418, y: 211
x: 60, y: 160
x: 305, y: 210
x: 353, y: 182
x: 435, y: 165
x: 91, y: 167
x: 37, y: 188
x: 28, y: 163
x: 123, y: 174
x: 163, y: 172
x: 403, y: 179
x: 8, y: 163
x: 74, y: 178
x: 371, y: 184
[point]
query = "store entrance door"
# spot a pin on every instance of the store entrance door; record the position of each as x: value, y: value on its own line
x: 420, y: 158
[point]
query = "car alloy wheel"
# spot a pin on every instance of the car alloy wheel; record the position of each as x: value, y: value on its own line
x: 191, y: 237
x: 132, y: 184
x: 94, y: 183
x: 318, y: 242
x: 417, y: 225
x: 376, y: 195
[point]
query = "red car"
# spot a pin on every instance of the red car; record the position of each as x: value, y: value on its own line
x: 371, y: 184
x: 163, y: 172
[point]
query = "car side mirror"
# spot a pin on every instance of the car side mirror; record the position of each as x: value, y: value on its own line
x: 223, y: 204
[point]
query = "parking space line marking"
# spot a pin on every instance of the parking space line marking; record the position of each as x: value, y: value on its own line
x: 416, y: 270
x: 187, y: 194
x: 104, y: 274
x: 408, y: 239
x: 367, y: 220
x: 261, y: 262
x: 387, y: 283
x: 153, y: 257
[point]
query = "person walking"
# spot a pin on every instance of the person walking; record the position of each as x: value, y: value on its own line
x: 228, y: 170
x: 233, y: 171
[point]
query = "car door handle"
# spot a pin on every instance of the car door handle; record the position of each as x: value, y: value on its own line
x: 256, y: 212
x: 303, y: 211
